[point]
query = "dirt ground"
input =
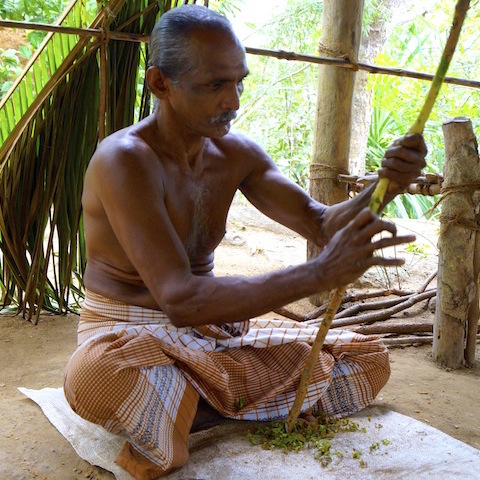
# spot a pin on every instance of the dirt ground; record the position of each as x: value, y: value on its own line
x: 35, y: 356
x: 12, y: 38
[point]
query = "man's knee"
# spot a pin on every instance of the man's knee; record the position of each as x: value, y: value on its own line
x: 95, y: 384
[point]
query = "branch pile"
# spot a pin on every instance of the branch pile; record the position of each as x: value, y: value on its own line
x: 373, y: 313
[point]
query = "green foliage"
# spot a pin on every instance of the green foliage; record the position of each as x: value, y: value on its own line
x: 13, y: 60
x: 315, y: 434
x: 44, y: 11
x: 374, y: 12
x: 305, y: 434
x: 42, y: 179
x: 280, y: 97
x: 278, y: 105
x: 11, y: 65
x: 418, y: 46
x: 225, y: 7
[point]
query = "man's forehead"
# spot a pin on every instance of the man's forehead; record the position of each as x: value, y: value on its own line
x: 220, y: 54
x: 226, y: 70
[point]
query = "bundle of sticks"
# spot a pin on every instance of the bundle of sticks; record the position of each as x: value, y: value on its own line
x: 373, y: 313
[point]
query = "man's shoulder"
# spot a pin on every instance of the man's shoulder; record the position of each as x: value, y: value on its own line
x: 126, y: 160
x: 238, y: 143
x: 123, y: 143
x: 122, y: 149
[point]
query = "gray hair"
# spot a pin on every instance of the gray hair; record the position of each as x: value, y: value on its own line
x: 170, y: 44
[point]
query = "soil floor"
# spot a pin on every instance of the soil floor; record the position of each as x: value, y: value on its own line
x: 35, y: 356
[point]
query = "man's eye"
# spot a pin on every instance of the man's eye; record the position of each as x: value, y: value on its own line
x: 216, y: 86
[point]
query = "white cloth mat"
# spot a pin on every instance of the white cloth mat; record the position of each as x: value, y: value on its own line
x: 417, y: 451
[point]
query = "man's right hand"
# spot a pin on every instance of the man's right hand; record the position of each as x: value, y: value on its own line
x: 351, y: 251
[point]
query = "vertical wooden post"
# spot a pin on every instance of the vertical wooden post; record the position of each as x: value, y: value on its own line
x: 457, y: 311
x: 103, y: 91
x: 341, y: 33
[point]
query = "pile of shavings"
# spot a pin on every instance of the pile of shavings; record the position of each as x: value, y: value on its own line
x: 305, y: 434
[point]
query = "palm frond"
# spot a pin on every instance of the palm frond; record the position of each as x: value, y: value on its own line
x: 49, y: 131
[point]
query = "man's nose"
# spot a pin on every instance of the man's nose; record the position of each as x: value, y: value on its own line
x: 231, y: 99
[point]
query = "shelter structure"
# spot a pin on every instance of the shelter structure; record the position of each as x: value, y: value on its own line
x: 81, y: 85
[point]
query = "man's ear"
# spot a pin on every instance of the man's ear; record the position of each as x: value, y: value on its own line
x: 158, y: 82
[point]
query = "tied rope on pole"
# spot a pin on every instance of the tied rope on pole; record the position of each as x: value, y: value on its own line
x: 376, y: 203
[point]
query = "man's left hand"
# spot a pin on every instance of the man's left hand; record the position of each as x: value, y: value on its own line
x: 403, y: 162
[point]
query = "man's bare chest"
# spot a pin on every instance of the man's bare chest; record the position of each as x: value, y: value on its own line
x: 198, y: 211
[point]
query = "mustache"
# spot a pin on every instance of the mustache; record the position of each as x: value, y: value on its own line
x: 223, y: 117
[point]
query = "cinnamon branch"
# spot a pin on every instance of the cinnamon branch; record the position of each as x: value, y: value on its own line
x: 386, y: 313
x: 354, y: 297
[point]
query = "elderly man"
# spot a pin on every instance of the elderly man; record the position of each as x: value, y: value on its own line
x: 163, y: 343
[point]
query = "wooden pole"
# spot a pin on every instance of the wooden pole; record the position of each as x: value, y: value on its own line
x: 264, y: 52
x: 341, y: 32
x: 456, y: 316
x: 103, y: 88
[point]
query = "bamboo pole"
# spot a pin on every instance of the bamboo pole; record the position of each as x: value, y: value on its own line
x: 312, y: 358
x: 456, y: 315
x: 103, y: 87
x: 367, y: 67
x: 341, y: 33
x: 376, y: 203
x: 81, y: 32
x: 279, y: 54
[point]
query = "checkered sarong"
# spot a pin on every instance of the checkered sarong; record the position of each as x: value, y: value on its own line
x: 136, y: 374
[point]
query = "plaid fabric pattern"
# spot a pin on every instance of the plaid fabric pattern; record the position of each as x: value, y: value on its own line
x: 136, y: 374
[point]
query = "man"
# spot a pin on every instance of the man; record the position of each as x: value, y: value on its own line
x: 158, y: 330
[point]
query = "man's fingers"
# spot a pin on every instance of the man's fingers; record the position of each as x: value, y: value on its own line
x: 385, y: 262
x: 401, y: 160
x: 398, y: 162
x: 367, y: 221
x: 364, y: 218
x: 414, y: 141
x: 374, y: 226
x: 392, y: 241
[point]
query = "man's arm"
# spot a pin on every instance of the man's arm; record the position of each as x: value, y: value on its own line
x: 283, y: 201
x: 134, y: 202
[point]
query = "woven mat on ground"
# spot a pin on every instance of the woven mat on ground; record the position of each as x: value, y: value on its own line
x: 414, y: 450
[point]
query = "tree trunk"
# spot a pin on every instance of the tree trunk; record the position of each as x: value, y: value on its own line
x: 341, y: 31
x: 457, y: 311
x: 371, y: 45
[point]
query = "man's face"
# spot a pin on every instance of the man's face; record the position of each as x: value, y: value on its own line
x: 207, y: 97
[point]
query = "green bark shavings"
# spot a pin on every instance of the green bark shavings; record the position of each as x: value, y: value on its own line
x: 305, y: 434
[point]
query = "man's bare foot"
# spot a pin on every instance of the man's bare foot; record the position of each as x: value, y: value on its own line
x: 206, y: 417
x: 308, y: 416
